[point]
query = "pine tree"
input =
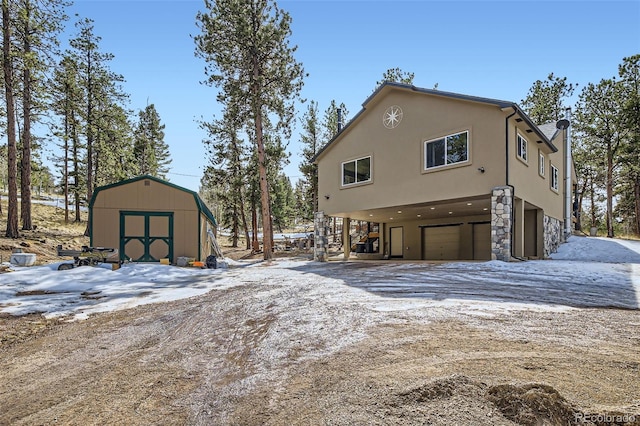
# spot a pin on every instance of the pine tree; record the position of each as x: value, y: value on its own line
x: 9, y: 88
x: 283, y: 202
x: 67, y: 104
x: 396, y: 75
x: 100, y: 91
x: 246, y: 48
x: 629, y: 203
x: 150, y: 149
x: 334, y: 117
x: 227, y: 171
x: 310, y: 139
x: 38, y: 24
x: 599, y: 125
x: 545, y: 100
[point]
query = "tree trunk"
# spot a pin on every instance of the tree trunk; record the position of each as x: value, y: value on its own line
x: 76, y: 170
x: 25, y: 172
x: 254, y: 225
x: 235, y: 228
x: 609, y: 192
x: 65, y: 167
x: 636, y: 191
x: 265, y: 200
x: 12, y: 208
x: 243, y: 217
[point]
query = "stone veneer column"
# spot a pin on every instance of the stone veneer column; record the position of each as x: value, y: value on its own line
x: 501, y: 219
x: 320, y: 249
x: 553, y: 233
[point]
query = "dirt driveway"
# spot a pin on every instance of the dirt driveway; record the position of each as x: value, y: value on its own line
x: 293, y: 346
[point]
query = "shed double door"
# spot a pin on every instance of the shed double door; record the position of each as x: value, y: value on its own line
x: 146, y: 236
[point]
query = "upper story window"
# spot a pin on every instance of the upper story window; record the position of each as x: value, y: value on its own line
x: 522, y: 148
x: 356, y: 171
x: 554, y: 178
x: 450, y: 149
x: 541, y: 164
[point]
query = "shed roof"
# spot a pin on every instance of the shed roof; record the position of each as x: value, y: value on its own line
x: 202, y: 207
x: 433, y: 92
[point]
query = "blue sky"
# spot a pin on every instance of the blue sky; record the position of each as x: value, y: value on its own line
x: 494, y: 49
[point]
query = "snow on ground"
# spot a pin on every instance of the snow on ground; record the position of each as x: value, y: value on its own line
x: 586, y: 272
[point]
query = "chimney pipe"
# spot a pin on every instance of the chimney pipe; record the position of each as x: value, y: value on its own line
x: 568, y: 184
x: 339, y: 120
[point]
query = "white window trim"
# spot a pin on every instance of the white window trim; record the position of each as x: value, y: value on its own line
x: 542, y: 164
x: 348, y: 185
x: 449, y: 165
x: 555, y: 178
x: 519, y: 150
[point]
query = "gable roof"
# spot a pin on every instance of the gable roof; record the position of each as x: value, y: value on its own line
x: 401, y: 86
x: 202, y: 207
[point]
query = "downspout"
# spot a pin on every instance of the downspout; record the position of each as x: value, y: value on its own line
x: 513, y: 190
x: 567, y: 183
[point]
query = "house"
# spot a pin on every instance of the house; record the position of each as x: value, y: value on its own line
x: 148, y: 219
x: 443, y: 176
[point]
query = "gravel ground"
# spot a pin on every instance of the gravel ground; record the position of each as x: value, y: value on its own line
x: 299, y: 346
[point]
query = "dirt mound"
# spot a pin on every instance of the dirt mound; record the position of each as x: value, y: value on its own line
x: 443, y: 388
x: 532, y: 404
x: 529, y: 404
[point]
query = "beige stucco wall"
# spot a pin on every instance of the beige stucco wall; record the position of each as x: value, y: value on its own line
x: 398, y: 175
x: 398, y: 155
x: 525, y: 177
x: 156, y: 197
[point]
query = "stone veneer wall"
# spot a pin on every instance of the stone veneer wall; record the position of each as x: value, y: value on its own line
x: 501, y: 219
x: 552, y: 235
x: 320, y: 249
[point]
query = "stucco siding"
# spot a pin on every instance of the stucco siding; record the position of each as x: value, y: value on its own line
x: 397, y: 155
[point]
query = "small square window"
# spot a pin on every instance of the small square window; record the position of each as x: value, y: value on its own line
x: 356, y: 171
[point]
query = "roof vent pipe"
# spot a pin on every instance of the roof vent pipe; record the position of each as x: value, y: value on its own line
x: 565, y: 124
x: 339, y: 120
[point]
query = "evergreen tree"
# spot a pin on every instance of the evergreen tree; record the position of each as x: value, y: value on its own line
x: 334, y: 116
x: 628, y: 205
x: 283, y: 202
x: 67, y: 104
x: 150, y: 149
x: 114, y: 151
x: 226, y: 173
x: 9, y: 89
x: 310, y: 139
x: 246, y: 48
x: 599, y: 125
x: 100, y: 90
x: 545, y: 100
x: 38, y: 24
x: 396, y: 75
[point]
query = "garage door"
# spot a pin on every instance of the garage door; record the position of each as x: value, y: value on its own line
x: 482, y: 241
x: 441, y: 242
x: 146, y: 236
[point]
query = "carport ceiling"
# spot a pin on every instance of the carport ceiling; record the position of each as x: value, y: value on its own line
x: 424, y: 211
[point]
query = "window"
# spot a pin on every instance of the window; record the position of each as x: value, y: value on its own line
x: 554, y: 178
x: 356, y: 171
x: 522, y: 148
x: 541, y: 165
x: 451, y: 149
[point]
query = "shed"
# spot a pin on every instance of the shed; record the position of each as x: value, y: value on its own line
x: 148, y: 219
